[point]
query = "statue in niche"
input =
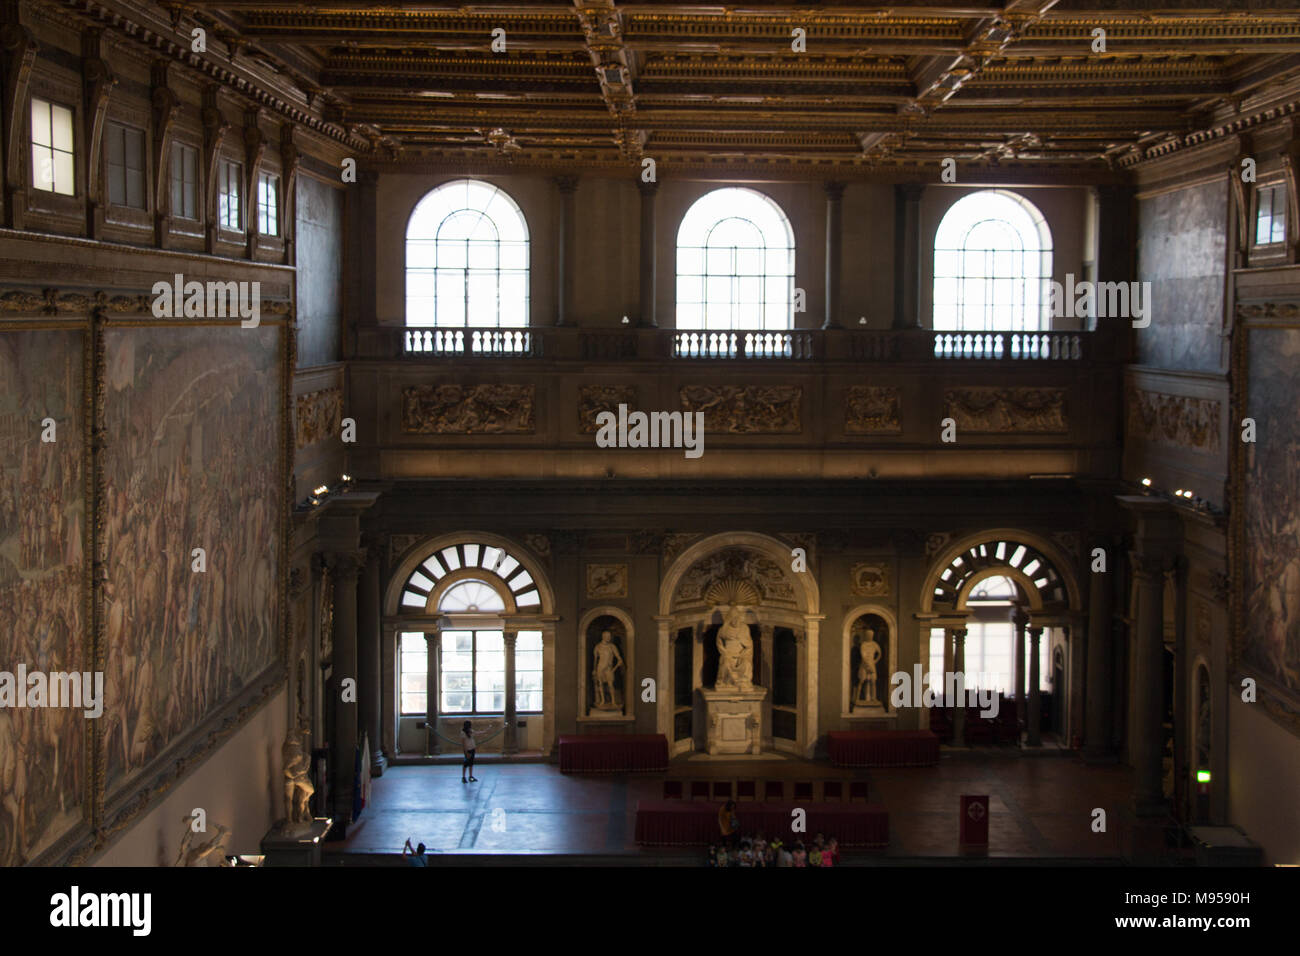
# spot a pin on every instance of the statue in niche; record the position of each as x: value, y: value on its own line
x: 297, y: 780
x: 868, y: 656
x: 607, y: 661
x: 735, y: 652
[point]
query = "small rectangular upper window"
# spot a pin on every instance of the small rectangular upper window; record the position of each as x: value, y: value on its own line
x: 52, y: 154
x: 126, y: 170
x: 185, y: 181
x: 230, y: 207
x: 1270, y: 214
x: 268, y: 204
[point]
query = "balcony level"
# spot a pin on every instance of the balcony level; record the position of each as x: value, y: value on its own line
x: 799, y: 404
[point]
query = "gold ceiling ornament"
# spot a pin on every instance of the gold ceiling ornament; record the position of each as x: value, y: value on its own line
x: 727, y: 592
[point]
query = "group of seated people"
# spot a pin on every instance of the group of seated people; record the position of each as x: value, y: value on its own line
x: 761, y: 852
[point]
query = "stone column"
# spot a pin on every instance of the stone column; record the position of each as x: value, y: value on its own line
x: 1098, y: 699
x: 548, y: 687
x: 834, y: 252
x: 1034, y: 739
x: 957, y: 637
x: 1115, y: 219
x: 647, y: 274
x: 565, y: 246
x: 346, y: 566
x: 511, y: 743
x: 765, y: 642
x: 663, y: 683
x: 1146, y: 736
x: 433, y: 645
x: 1018, y: 621
x: 369, y: 683
x: 812, y: 644
x: 907, y: 256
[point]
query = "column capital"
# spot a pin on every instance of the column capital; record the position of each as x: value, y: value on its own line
x: 647, y: 189
x: 834, y: 190
x: 346, y: 564
x: 1149, y: 568
x: 909, y: 192
x: 1035, y: 632
x: 958, y: 634
x: 568, y: 184
x: 510, y: 635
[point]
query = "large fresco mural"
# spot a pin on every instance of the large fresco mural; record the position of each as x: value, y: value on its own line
x: 192, y: 421
x: 1270, y: 629
x: 42, y: 583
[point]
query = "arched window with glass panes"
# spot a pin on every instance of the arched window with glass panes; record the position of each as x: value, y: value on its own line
x: 735, y: 263
x: 992, y: 265
x: 477, y: 594
x: 467, y: 259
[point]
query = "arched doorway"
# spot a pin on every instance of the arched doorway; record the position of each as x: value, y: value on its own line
x: 470, y: 630
x: 732, y: 604
x: 1005, y: 597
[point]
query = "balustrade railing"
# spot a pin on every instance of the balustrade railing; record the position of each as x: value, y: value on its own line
x: 617, y: 345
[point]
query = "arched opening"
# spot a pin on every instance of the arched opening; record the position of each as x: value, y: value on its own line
x: 471, y: 619
x: 992, y: 265
x: 735, y: 263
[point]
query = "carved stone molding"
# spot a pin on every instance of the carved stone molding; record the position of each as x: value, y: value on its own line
x: 1068, y: 542
x: 399, y: 544
x: 539, y: 544
x: 675, y: 544
x: 594, y: 399
x: 468, y: 409
x: 871, y: 409
x: 742, y: 564
x: 936, y: 542
x: 1177, y: 420
x: 871, y: 578
x: 746, y: 409
x: 607, y: 580
x: 317, y: 416
x: 990, y: 409
x: 1268, y: 310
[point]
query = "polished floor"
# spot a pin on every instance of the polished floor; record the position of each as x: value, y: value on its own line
x: 1041, y: 807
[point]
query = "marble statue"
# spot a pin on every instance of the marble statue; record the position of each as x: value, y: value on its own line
x: 868, y: 655
x: 607, y: 660
x: 192, y: 854
x: 735, y: 652
x: 297, y: 781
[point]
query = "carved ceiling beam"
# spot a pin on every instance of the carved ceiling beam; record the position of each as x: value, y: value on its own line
x: 602, y: 31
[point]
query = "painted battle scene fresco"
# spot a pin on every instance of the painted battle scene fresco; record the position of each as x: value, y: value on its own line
x: 42, y: 589
x: 193, y: 421
x: 1271, y: 626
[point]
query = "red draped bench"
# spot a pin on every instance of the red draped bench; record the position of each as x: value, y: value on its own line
x: 883, y: 748
x: 678, y: 823
x: 612, y: 753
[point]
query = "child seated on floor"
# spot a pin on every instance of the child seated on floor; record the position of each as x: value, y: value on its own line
x: 833, y: 846
x: 815, y: 856
x: 760, y: 846
x: 746, y: 853
x: 721, y: 856
x: 799, y: 856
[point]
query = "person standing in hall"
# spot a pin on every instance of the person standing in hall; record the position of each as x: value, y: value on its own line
x: 467, y: 741
x: 729, y: 824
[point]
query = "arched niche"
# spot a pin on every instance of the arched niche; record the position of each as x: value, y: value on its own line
x: 883, y: 620
x: 623, y: 636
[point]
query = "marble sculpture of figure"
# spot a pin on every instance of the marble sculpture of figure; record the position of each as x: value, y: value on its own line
x: 868, y: 654
x: 297, y: 782
x: 735, y: 651
x: 608, y: 661
x: 192, y: 854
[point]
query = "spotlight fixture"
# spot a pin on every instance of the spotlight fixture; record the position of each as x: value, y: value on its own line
x: 862, y: 320
x: 1179, y: 492
x: 320, y: 490
x: 1147, y: 482
x: 625, y: 320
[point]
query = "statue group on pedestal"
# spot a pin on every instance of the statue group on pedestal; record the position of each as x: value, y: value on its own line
x: 735, y: 652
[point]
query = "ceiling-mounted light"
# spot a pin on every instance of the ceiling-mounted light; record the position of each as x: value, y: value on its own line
x: 1147, y: 482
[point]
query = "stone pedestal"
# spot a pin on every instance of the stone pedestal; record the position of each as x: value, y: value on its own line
x: 295, y: 844
x: 734, y: 719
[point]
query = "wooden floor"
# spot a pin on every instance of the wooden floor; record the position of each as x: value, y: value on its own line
x: 1041, y: 808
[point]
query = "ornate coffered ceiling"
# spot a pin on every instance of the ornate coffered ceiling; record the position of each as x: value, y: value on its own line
x: 878, y: 90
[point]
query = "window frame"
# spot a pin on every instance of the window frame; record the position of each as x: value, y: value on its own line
x: 699, y: 245
x: 182, y: 147
x: 51, y: 103
x: 268, y: 212
x: 1022, y: 289
x: 224, y: 180
x: 112, y: 127
x: 433, y: 247
x: 1277, y: 192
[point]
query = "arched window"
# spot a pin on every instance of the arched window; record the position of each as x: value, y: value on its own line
x: 992, y: 265
x: 735, y: 263
x: 467, y: 259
